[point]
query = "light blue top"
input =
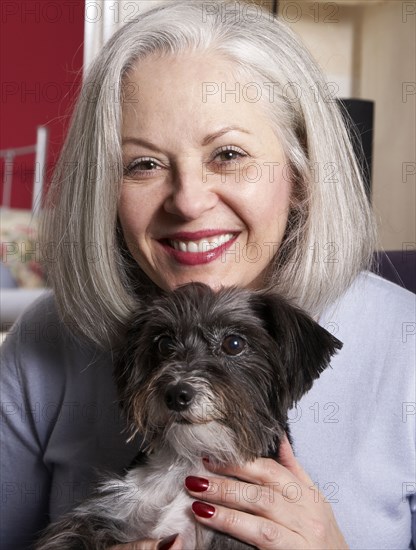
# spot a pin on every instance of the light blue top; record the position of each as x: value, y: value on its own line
x: 354, y: 432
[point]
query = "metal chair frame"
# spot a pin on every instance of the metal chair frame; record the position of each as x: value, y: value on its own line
x: 40, y: 150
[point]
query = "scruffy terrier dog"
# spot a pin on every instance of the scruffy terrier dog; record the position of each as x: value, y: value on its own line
x: 204, y: 374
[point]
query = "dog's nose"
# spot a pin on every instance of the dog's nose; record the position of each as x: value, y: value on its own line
x: 179, y: 396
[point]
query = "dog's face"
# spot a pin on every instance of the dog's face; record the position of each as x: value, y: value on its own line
x: 215, y: 373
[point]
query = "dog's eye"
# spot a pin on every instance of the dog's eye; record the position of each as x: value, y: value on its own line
x: 165, y: 345
x: 233, y: 345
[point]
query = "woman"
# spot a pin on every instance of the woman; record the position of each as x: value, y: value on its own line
x: 203, y: 149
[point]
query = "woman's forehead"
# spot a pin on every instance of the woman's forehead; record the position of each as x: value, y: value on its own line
x: 195, y: 91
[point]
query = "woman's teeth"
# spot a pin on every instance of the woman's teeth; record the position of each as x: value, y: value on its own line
x: 203, y: 245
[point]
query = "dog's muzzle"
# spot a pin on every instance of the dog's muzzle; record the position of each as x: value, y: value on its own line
x: 179, y: 396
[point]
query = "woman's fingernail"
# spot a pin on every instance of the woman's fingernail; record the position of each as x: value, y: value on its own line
x: 167, y: 542
x: 203, y: 510
x: 197, y: 484
x: 205, y: 459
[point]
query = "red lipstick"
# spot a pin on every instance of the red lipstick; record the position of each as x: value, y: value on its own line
x: 200, y: 257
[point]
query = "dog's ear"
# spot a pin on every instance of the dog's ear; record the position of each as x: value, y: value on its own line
x: 304, y: 346
x: 125, y: 354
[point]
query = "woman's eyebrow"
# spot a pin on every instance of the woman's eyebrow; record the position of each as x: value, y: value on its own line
x: 139, y: 141
x: 205, y: 141
x: 223, y: 131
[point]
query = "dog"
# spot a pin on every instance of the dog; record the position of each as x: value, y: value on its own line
x: 203, y: 374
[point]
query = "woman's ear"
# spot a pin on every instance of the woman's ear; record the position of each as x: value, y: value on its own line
x: 305, y: 347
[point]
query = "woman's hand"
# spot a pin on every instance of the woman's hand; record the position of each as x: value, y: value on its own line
x: 169, y: 543
x: 270, y: 506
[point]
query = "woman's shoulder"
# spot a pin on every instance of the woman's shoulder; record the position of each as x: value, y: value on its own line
x: 40, y: 331
x: 41, y: 352
x: 47, y: 370
x: 372, y: 296
x: 377, y: 285
x: 39, y: 324
x: 375, y: 319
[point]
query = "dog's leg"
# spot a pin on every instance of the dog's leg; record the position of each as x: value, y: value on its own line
x: 118, y: 512
x: 76, y: 533
x: 220, y: 541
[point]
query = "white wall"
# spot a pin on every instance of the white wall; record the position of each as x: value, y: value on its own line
x: 104, y: 17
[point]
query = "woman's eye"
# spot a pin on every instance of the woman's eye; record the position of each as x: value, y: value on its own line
x: 165, y: 345
x: 229, y: 154
x: 142, y: 167
x: 233, y: 345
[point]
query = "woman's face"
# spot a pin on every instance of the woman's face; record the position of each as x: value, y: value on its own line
x: 204, y: 196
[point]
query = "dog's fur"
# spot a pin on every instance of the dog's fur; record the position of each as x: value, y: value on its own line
x: 203, y: 374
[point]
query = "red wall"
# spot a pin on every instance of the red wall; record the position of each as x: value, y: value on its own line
x: 41, y: 69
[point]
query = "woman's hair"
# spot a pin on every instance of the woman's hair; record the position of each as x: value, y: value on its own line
x: 330, y: 236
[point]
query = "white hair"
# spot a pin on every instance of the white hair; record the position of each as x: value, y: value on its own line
x: 330, y: 236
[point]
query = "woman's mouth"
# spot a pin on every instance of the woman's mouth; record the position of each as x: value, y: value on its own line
x: 202, y: 245
x: 195, y: 249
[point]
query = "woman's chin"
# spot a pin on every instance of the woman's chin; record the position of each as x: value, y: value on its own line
x: 214, y: 281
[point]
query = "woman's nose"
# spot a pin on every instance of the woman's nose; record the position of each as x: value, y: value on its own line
x: 190, y: 197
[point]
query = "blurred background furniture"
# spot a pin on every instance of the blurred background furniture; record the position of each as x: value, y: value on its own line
x: 21, y: 276
x: 39, y: 149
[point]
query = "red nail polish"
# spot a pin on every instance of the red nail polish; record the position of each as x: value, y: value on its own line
x: 167, y: 543
x: 197, y: 484
x: 203, y: 510
x: 205, y: 459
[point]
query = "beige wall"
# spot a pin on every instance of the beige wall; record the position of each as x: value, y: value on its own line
x: 387, y: 70
x: 368, y: 49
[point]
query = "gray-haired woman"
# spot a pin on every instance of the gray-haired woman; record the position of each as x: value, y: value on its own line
x: 204, y: 148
